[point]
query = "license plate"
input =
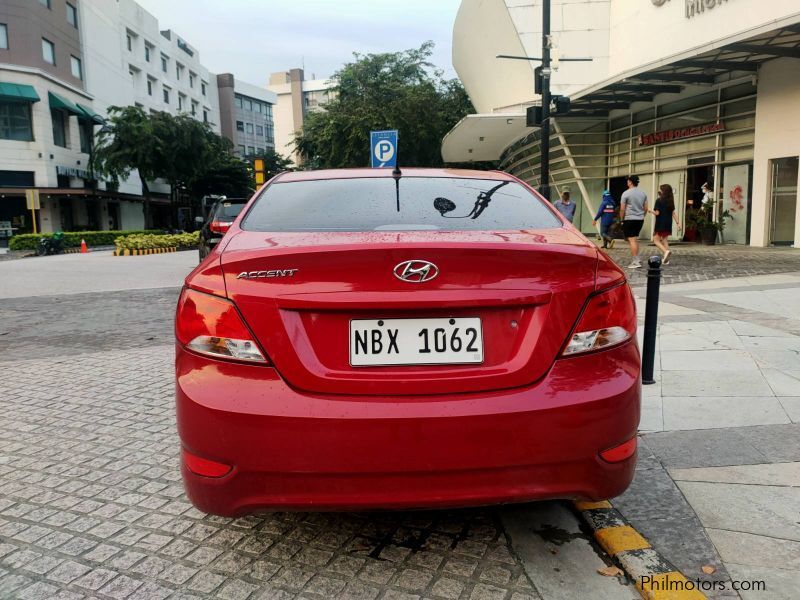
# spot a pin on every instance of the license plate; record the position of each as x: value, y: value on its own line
x: 416, y: 341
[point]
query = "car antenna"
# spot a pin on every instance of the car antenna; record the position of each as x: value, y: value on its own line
x: 396, y: 174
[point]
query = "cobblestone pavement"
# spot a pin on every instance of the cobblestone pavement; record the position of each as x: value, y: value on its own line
x: 695, y: 262
x: 92, y: 506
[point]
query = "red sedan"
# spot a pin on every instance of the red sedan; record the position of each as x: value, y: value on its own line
x: 363, y: 339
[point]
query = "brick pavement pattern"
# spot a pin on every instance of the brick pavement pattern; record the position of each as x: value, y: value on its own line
x: 92, y: 506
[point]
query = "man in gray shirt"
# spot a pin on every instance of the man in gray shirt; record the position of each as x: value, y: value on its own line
x: 632, y: 210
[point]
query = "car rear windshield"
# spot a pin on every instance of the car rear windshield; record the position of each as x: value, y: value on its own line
x: 405, y: 204
x: 228, y: 210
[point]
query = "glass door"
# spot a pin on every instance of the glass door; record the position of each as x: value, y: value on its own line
x: 784, y: 200
x: 736, y: 200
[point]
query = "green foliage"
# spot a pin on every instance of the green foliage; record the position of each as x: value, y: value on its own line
x: 399, y: 90
x: 702, y: 219
x: 149, y: 242
x: 29, y: 241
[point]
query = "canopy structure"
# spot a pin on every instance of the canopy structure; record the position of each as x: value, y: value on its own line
x: 59, y: 102
x: 90, y: 115
x: 17, y: 92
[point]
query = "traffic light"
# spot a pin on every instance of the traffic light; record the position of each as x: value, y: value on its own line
x: 259, y: 172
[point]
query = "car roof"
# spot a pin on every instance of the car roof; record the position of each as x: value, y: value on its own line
x: 290, y: 176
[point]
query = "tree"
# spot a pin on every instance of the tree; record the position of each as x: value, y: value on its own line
x: 225, y: 175
x: 399, y: 90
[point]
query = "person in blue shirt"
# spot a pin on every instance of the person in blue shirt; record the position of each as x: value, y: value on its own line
x: 606, y: 214
x: 566, y: 207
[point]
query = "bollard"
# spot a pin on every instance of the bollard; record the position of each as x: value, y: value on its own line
x: 651, y: 319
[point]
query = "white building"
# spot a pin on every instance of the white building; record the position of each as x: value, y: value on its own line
x: 682, y: 92
x: 296, y: 97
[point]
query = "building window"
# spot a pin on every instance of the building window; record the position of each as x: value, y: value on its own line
x: 181, y: 101
x: 165, y: 93
x: 149, y: 87
x: 147, y: 51
x: 72, y: 15
x: 239, y: 125
x: 164, y: 60
x: 205, y: 116
x: 60, y: 127
x: 45, y: 3
x: 238, y: 101
x: 194, y: 108
x: 3, y: 36
x: 248, y: 105
x: 250, y: 151
x: 130, y: 42
x: 203, y: 87
x: 191, y: 79
x: 241, y: 150
x: 249, y: 128
x: 15, y: 121
x: 259, y: 131
x: 75, y: 66
x: 178, y: 71
x: 86, y: 129
x: 48, y: 51
x: 260, y: 151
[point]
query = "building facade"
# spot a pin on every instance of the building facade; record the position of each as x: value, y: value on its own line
x: 686, y: 93
x: 246, y: 116
x: 63, y: 63
x: 296, y: 97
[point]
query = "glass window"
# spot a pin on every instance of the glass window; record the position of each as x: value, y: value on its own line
x: 178, y: 71
x: 15, y: 121
x: 259, y: 130
x: 75, y: 66
x: 205, y: 116
x: 181, y: 101
x: 251, y: 150
x: 257, y: 106
x: 165, y: 92
x: 249, y: 128
x: 194, y: 108
x: 203, y: 88
x: 45, y: 3
x: 86, y: 129
x: 149, y: 87
x: 3, y: 36
x: 240, y: 148
x: 259, y: 150
x: 48, y: 51
x: 130, y: 43
x: 60, y: 127
x: 191, y: 79
x: 72, y: 15
x: 426, y: 203
x: 147, y: 52
x: 239, y: 125
x: 238, y: 101
x: 248, y: 105
x: 164, y: 61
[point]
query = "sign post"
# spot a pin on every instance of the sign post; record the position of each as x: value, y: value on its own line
x: 32, y: 200
x: 383, y: 148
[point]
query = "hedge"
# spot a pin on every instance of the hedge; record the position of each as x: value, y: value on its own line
x: 29, y: 241
x: 150, y: 241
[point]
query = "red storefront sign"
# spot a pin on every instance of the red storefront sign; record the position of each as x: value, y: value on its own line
x: 670, y: 135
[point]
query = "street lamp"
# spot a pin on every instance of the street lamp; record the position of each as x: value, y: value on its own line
x: 545, y: 71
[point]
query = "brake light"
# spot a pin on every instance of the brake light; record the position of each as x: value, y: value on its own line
x: 212, y: 326
x: 220, y: 226
x: 608, y: 319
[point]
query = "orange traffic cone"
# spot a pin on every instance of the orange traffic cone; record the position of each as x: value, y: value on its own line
x: 84, y: 249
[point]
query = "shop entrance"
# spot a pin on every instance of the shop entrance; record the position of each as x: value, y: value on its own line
x: 617, y: 186
x: 783, y: 190
x: 695, y: 178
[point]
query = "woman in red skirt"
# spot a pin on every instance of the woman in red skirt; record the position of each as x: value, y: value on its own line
x: 664, y: 211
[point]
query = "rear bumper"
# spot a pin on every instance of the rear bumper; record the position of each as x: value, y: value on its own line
x: 296, y: 450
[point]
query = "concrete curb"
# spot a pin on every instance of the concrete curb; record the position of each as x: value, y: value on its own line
x: 655, y: 577
x: 127, y: 252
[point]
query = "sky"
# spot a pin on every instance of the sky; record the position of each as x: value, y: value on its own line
x: 253, y: 38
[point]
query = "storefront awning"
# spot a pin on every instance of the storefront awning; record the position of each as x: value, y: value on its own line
x: 90, y: 115
x: 62, y: 103
x: 17, y: 92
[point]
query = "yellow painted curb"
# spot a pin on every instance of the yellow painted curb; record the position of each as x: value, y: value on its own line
x: 668, y: 586
x: 620, y: 539
x: 592, y: 505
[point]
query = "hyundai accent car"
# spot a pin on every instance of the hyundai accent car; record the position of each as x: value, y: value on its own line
x: 366, y: 339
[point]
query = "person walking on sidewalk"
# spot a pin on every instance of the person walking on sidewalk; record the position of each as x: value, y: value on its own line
x: 664, y: 211
x: 633, y: 208
x: 566, y: 207
x: 605, y: 214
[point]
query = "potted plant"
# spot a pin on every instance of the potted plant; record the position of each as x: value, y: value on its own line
x: 703, y: 221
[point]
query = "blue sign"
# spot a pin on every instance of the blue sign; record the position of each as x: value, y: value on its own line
x: 383, y: 145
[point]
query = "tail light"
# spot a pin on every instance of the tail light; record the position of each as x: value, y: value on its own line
x: 212, y: 326
x: 204, y: 466
x: 608, y: 319
x: 220, y: 226
x: 619, y: 453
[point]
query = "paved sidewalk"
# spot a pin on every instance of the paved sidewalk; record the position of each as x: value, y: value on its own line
x: 718, y: 480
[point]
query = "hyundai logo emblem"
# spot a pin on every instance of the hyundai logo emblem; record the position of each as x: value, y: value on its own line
x: 416, y: 271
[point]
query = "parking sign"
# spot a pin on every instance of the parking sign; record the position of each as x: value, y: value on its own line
x: 383, y: 146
